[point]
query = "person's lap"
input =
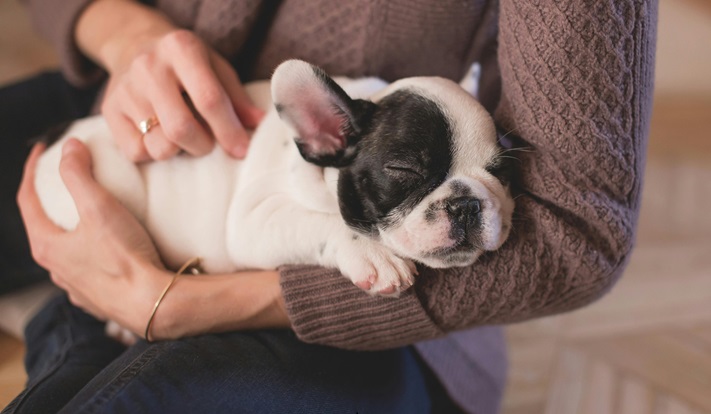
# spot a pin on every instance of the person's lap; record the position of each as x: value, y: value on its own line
x: 74, y: 368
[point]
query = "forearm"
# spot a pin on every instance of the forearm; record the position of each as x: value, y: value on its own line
x: 583, y: 107
x: 220, y: 303
x: 110, y: 30
x: 326, y: 308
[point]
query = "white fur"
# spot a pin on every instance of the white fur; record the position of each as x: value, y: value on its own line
x: 414, y: 237
x: 274, y: 208
x: 271, y: 209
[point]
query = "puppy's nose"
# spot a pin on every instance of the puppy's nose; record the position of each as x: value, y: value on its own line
x: 464, y: 209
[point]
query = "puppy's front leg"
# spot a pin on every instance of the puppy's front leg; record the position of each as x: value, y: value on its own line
x: 277, y: 230
x: 370, y: 265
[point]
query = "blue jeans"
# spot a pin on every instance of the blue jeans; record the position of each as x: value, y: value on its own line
x: 74, y: 368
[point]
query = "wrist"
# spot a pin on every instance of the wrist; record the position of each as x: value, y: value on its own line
x: 138, y: 291
x: 150, y: 281
x: 220, y: 303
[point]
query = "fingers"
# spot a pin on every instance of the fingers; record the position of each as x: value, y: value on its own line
x: 155, y: 83
x: 90, y: 197
x: 155, y: 90
x: 158, y: 146
x: 126, y: 136
x: 150, y: 89
x: 156, y: 143
x: 178, y: 124
x: 31, y: 209
x: 125, y: 131
x: 208, y: 94
x: 40, y: 229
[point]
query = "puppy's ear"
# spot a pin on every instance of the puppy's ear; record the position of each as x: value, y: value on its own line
x: 328, y: 122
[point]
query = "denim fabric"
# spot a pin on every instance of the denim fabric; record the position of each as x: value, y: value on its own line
x: 66, y: 348
x: 74, y: 368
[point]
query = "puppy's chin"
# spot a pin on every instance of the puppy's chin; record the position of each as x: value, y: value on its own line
x: 433, y: 246
x: 459, y: 259
x: 441, y: 252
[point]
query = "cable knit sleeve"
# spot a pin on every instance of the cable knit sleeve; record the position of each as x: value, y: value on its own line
x: 55, y: 21
x: 576, y: 88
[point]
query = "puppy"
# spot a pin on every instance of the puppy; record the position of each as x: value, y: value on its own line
x: 356, y: 174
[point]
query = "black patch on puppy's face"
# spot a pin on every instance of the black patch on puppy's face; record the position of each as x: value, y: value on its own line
x: 404, y: 155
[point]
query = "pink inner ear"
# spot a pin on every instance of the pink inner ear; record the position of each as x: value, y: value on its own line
x: 319, y: 124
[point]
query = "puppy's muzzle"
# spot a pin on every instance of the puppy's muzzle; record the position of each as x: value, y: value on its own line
x: 464, y: 213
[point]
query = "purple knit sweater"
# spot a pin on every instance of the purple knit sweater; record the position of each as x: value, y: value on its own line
x: 569, y: 79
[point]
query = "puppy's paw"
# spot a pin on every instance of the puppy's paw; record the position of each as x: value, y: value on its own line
x: 375, y: 269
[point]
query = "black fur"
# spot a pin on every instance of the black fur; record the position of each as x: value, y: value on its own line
x: 393, y: 154
x: 459, y: 189
x: 466, y: 221
x: 404, y: 154
x: 503, y: 167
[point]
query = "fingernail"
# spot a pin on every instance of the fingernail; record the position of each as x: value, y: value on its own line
x: 70, y: 146
x: 255, y: 117
x: 239, y: 151
x: 258, y: 112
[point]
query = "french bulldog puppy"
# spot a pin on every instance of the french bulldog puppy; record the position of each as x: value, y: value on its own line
x: 355, y: 174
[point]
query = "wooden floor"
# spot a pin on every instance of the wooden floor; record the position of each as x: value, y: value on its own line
x: 644, y: 348
x: 12, y: 372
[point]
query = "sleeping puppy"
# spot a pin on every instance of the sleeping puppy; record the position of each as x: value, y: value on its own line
x: 355, y: 174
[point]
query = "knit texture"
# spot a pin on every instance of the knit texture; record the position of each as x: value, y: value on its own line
x: 576, y: 90
x: 576, y: 81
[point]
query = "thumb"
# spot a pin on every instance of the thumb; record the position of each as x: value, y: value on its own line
x: 76, y: 171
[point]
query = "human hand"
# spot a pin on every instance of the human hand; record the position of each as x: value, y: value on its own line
x: 108, y: 265
x: 110, y: 268
x: 160, y: 72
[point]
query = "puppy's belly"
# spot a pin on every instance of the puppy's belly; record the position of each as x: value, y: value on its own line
x: 187, y: 206
x: 182, y: 202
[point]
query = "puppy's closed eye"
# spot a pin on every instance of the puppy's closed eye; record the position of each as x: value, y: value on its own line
x: 403, y: 172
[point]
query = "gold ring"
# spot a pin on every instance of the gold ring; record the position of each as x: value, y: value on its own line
x: 147, y: 124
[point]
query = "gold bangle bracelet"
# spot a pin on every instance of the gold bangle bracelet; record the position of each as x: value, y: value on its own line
x: 194, y: 266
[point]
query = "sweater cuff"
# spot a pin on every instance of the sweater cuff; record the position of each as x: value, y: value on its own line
x: 326, y: 308
x: 56, y: 21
